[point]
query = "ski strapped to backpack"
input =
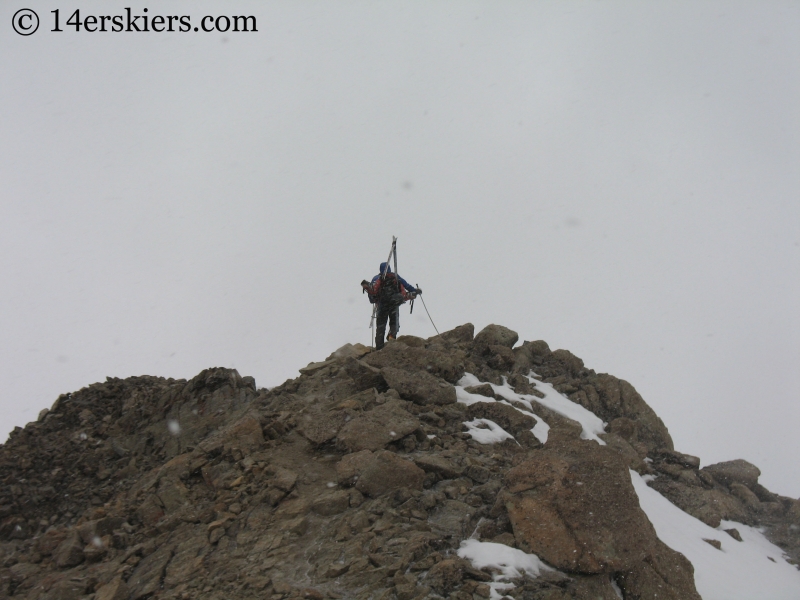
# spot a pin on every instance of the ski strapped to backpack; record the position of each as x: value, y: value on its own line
x: 390, y: 290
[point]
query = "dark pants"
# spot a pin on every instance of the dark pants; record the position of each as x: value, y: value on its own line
x: 392, y: 313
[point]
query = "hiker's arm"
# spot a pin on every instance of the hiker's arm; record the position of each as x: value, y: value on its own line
x: 409, y: 288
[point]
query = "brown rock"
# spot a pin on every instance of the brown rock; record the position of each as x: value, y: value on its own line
x: 244, y: 435
x: 508, y: 417
x: 686, y: 460
x: 446, y: 575
x: 743, y: 493
x: 49, y: 540
x: 331, y: 503
x: 388, y: 472
x: 116, y: 589
x: 483, y: 389
x: 500, y: 358
x: 447, y: 365
x: 434, y: 463
x: 496, y: 335
x: 147, y: 576
x: 376, y: 428
x: 665, y: 574
x: 364, y: 375
x: 322, y: 427
x: 284, y: 479
x: 461, y: 334
x: 707, y: 505
x: 610, y: 398
x: 575, y: 507
x: 419, y: 387
x: 734, y: 533
x: 352, y: 465
x: 734, y: 471
x: 69, y: 552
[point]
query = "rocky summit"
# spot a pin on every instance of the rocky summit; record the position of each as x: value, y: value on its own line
x: 455, y: 467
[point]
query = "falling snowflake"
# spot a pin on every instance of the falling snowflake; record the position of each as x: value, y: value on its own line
x: 174, y: 427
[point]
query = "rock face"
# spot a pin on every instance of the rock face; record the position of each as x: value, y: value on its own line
x: 358, y: 479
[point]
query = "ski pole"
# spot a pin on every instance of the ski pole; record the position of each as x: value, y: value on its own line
x: 429, y: 314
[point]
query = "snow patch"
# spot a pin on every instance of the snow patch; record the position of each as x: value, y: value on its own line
x: 485, y: 431
x: 739, y: 571
x: 509, y: 563
x: 591, y: 424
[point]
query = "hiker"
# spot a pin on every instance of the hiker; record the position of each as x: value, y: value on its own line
x: 388, y: 291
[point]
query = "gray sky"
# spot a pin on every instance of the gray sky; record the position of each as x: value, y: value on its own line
x: 620, y: 179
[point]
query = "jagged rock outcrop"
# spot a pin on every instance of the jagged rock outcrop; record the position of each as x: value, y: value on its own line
x: 357, y: 479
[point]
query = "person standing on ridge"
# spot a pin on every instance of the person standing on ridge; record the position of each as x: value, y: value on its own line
x: 389, y: 291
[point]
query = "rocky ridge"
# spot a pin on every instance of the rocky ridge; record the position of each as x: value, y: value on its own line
x: 357, y: 479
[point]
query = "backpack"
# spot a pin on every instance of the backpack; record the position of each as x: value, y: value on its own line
x: 390, y: 292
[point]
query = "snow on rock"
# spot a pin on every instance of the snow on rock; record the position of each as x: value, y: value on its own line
x: 752, y: 568
x: 509, y: 563
x: 485, y: 431
x: 590, y: 423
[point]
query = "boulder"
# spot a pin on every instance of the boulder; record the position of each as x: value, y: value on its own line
x: 574, y: 506
x: 508, y: 417
x: 323, y: 426
x: 351, y: 466
x: 448, y: 365
x: 568, y: 362
x: 244, y: 435
x: 461, y: 334
x: 734, y: 471
x: 388, y: 472
x: 331, y: 503
x: 665, y: 574
x: 748, y: 498
x: 492, y: 335
x: 317, y: 366
x: 350, y: 350
x: 146, y: 577
x: 374, y: 429
x: 69, y: 552
x: 708, y: 505
x: 433, y: 463
x: 116, y: 589
x: 610, y: 398
x: 530, y: 355
x: 419, y: 387
x: 364, y: 375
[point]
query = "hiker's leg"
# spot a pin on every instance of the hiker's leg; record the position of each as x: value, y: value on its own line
x: 380, y: 327
x: 394, y: 318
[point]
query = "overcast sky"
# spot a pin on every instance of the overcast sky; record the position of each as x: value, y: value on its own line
x: 620, y: 179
